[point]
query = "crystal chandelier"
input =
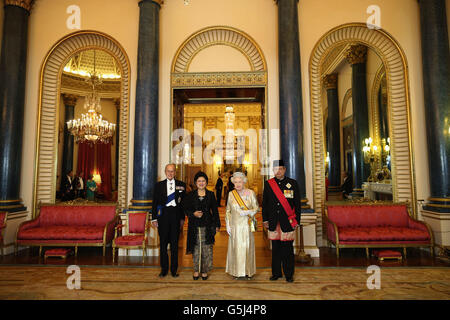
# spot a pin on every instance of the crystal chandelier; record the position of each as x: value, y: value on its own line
x: 91, y: 127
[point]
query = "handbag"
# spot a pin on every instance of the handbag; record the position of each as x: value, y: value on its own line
x: 254, y: 224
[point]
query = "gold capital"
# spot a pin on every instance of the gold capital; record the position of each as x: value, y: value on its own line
x: 26, y: 4
x: 330, y: 81
x: 160, y: 2
x: 356, y: 54
x: 70, y: 100
x: 276, y: 1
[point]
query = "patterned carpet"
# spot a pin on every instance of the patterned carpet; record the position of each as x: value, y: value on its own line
x: 44, y: 282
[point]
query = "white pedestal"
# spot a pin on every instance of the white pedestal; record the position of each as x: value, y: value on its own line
x: 12, y: 223
x: 440, y: 225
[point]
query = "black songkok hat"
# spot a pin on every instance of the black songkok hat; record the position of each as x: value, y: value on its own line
x: 278, y: 163
x: 200, y: 174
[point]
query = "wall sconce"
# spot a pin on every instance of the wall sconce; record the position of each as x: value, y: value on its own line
x: 96, y: 177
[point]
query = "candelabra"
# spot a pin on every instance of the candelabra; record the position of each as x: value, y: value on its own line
x: 370, y: 157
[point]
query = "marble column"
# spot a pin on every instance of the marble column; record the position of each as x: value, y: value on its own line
x: 145, y: 165
x: 333, y: 134
x: 357, y: 57
x: 291, y: 104
x: 12, y: 100
x: 436, y: 74
x: 70, y: 102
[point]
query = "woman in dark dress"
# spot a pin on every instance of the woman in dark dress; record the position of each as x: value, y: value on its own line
x: 200, y: 206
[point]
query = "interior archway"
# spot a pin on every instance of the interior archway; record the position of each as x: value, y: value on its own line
x: 395, y: 63
x: 50, y: 90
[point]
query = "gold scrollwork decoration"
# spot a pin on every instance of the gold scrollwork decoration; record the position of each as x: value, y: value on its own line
x: 213, y: 79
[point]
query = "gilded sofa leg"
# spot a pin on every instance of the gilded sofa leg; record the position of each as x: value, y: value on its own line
x: 404, y: 251
x: 143, y: 254
x: 337, y: 252
x: 432, y: 251
x: 367, y: 252
x: 76, y: 251
x: 104, y: 250
x: 40, y: 251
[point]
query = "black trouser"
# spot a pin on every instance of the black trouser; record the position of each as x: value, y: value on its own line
x: 169, y: 231
x: 283, y: 256
x: 219, y: 196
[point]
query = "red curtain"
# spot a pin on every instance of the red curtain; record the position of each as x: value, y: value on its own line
x: 86, y: 157
x: 104, y: 168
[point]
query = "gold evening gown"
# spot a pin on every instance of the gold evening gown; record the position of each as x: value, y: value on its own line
x: 241, y: 243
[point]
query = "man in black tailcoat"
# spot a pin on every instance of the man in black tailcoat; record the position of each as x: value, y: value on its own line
x: 281, y: 216
x: 219, y: 188
x: 168, y: 217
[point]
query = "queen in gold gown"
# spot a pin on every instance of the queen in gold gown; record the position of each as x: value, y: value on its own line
x: 241, y: 242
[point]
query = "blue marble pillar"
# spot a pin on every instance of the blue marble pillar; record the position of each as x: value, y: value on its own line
x: 333, y: 134
x: 436, y: 84
x: 12, y: 99
x: 291, y: 104
x: 145, y: 165
x: 69, y: 113
x: 356, y: 56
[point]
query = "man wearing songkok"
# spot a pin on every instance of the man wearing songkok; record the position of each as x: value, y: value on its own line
x: 281, y: 216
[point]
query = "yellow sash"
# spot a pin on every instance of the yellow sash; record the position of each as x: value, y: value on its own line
x: 243, y: 206
x: 239, y: 200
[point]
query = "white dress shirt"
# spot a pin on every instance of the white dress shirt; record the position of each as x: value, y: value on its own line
x: 170, y: 190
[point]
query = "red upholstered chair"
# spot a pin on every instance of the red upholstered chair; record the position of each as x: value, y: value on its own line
x: 3, y: 217
x: 133, y: 233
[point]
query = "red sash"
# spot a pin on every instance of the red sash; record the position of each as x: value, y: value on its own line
x: 286, y: 206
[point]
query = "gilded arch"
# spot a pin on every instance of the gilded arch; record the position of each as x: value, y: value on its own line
x: 49, y: 92
x: 395, y: 63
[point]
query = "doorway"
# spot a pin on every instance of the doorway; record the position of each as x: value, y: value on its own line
x: 219, y: 131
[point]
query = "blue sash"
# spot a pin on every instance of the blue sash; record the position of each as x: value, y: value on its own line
x: 170, y: 197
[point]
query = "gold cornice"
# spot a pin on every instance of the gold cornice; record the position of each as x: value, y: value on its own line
x: 26, y: 4
x: 70, y: 99
x: 356, y: 54
x: 219, y: 79
x: 330, y: 81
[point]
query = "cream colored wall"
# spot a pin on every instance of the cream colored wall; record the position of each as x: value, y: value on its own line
x: 219, y: 58
x: 258, y: 18
x: 47, y: 25
x: 400, y: 18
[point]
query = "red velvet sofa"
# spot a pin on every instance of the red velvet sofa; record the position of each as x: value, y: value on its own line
x: 69, y: 225
x: 375, y: 225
